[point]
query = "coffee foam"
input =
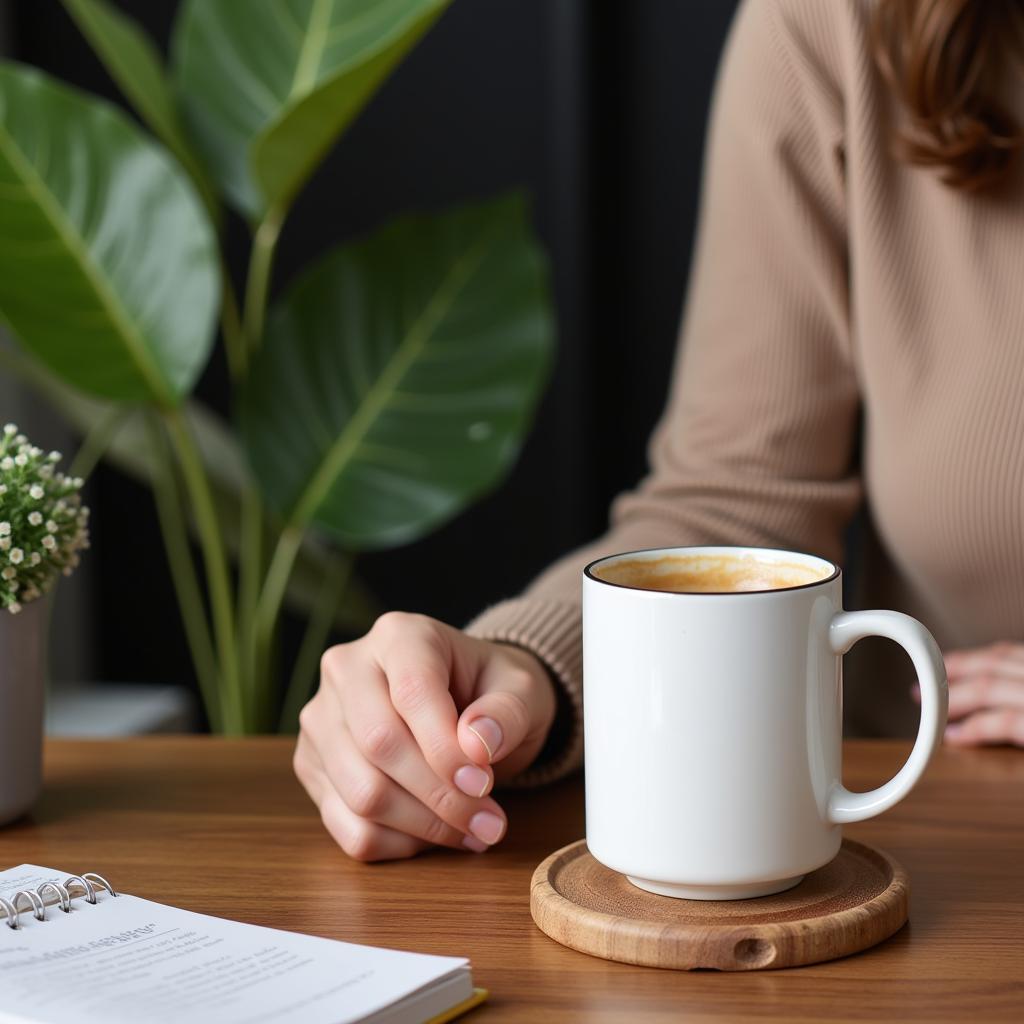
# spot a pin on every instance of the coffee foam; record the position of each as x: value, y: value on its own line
x: 709, y: 574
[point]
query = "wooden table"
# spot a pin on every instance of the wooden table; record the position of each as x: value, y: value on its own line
x: 221, y: 827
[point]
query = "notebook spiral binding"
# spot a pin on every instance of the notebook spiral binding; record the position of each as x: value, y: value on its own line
x: 36, y: 898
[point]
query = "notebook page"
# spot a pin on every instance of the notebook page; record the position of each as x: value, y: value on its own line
x: 27, y: 876
x: 132, y: 960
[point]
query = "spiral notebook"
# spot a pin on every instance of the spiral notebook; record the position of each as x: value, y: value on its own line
x: 73, y: 950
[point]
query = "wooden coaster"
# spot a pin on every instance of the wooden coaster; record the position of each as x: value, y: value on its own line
x: 857, y: 900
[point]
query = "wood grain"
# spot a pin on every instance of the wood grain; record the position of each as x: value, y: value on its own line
x: 852, y: 903
x: 221, y: 827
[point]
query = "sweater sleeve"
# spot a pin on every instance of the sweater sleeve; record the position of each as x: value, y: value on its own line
x: 757, y: 444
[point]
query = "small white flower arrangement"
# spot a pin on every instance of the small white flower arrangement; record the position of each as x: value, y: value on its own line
x: 43, y: 523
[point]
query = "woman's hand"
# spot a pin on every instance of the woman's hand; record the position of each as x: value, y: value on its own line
x: 397, y: 747
x: 986, y: 695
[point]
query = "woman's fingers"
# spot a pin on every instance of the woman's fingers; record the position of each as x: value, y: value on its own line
x: 986, y: 694
x: 1005, y: 725
x: 309, y: 769
x: 384, y: 740
x: 373, y: 800
x: 370, y: 794
x: 382, y: 743
x: 509, y: 720
x: 365, y: 840
x: 975, y: 693
x: 411, y: 651
x: 1007, y: 658
x: 361, y: 839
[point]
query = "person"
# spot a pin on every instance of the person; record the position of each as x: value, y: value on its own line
x: 854, y: 336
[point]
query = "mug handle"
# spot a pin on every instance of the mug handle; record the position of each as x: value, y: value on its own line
x: 845, y: 629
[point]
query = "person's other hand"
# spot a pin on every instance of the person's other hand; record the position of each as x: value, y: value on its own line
x: 986, y: 695
x: 402, y: 741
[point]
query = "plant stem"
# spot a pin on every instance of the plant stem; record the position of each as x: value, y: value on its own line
x: 183, y: 573
x: 269, y: 606
x: 257, y: 286
x: 217, y: 576
x: 332, y: 590
x: 231, y: 327
x: 96, y: 440
x: 250, y: 569
x: 257, y: 636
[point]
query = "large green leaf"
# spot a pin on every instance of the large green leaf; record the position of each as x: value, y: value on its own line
x: 129, y: 451
x: 398, y: 375
x: 136, y: 66
x: 267, y: 87
x: 108, y: 268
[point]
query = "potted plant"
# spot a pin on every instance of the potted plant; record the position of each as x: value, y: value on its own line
x: 43, y: 527
x: 389, y: 385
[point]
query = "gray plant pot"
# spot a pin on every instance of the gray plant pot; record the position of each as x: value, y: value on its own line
x: 22, y: 695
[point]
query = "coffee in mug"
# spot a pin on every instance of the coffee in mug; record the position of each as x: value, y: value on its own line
x: 709, y: 574
x: 712, y: 681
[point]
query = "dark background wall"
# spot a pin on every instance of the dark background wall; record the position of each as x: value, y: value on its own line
x: 596, y: 108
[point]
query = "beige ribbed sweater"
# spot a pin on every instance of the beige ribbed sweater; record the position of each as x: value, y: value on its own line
x: 854, y: 330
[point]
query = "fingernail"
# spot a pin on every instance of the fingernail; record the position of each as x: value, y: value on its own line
x: 473, y: 781
x: 488, y: 732
x: 487, y: 827
x: 474, y: 844
x: 954, y: 729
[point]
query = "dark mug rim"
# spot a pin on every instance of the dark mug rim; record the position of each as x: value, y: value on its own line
x: 684, y: 548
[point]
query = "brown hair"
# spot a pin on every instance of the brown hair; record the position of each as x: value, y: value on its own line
x: 946, y: 61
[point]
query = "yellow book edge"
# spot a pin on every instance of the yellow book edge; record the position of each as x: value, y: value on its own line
x: 478, y: 996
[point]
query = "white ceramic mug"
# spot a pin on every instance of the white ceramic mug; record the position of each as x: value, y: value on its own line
x: 713, y: 726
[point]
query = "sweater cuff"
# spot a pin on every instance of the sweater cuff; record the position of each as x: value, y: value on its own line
x: 552, y: 631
